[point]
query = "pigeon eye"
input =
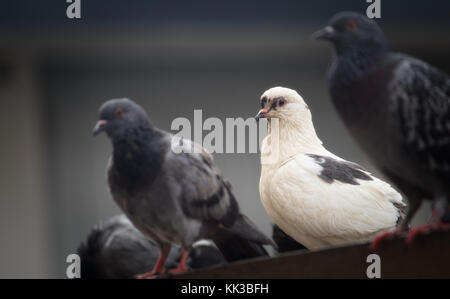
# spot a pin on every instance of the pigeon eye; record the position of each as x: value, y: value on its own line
x: 119, y: 112
x: 352, y: 25
x: 263, y: 102
x: 281, y: 102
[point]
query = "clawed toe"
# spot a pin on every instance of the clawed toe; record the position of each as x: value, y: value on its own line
x: 151, y: 274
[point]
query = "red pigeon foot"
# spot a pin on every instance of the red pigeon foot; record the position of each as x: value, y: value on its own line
x: 150, y: 274
x: 182, y: 265
x: 159, y: 267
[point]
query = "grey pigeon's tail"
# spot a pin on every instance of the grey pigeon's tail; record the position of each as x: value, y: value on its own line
x: 284, y: 241
x: 235, y: 248
x: 241, y: 241
x: 246, y: 229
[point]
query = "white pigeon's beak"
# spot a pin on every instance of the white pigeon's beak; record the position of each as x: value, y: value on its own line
x: 261, y: 114
x: 99, y: 127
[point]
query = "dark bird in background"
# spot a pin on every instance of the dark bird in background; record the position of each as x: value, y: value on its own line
x: 395, y: 106
x: 284, y: 242
x: 116, y: 249
x: 169, y: 187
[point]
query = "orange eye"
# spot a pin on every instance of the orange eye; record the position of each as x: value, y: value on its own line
x: 119, y: 112
x: 352, y: 25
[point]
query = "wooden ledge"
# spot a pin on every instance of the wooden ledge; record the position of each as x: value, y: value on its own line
x: 427, y: 257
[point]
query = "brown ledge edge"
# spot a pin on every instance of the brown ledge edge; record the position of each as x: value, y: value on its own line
x: 427, y: 257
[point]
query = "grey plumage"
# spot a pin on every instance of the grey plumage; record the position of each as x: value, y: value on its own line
x: 420, y: 97
x: 116, y: 249
x: 395, y: 106
x: 169, y: 188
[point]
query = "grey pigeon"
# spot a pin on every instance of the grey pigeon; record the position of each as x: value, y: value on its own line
x: 169, y: 188
x: 116, y: 249
x: 395, y: 106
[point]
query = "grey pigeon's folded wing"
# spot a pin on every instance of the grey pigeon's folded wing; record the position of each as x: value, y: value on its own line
x: 205, y: 195
x: 420, y: 97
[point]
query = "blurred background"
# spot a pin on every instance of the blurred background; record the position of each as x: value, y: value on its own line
x: 171, y: 56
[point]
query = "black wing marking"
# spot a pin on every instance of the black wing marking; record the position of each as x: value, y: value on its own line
x: 206, y: 195
x: 339, y: 170
x: 420, y: 101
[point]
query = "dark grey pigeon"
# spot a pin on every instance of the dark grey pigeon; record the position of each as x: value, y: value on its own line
x: 168, y: 187
x: 116, y: 249
x: 395, y: 106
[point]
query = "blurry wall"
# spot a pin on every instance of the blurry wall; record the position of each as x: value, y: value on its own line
x: 172, y: 58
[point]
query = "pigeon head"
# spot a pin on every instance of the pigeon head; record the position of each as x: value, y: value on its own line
x: 282, y: 103
x: 294, y: 128
x: 350, y: 30
x: 120, y: 118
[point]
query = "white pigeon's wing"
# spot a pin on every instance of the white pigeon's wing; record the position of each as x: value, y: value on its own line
x: 334, y: 200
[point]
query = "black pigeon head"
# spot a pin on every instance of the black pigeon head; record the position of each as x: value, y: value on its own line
x: 350, y: 30
x: 120, y: 118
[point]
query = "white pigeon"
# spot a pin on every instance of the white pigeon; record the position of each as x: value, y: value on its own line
x: 316, y: 197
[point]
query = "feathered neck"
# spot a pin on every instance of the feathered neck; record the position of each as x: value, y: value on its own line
x: 138, y: 157
x: 353, y: 62
x: 295, y: 135
x: 134, y: 141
